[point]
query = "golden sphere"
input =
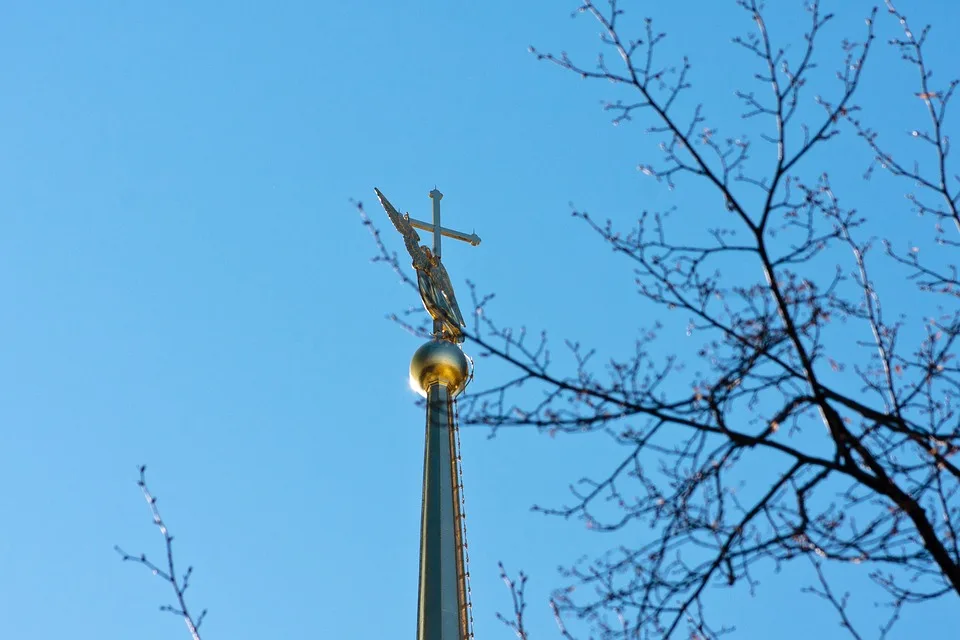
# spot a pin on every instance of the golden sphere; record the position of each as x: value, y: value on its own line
x: 439, y: 361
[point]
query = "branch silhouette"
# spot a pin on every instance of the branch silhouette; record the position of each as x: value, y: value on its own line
x: 168, y: 573
x: 858, y: 450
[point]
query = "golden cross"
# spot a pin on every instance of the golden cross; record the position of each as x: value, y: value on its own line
x: 439, y: 231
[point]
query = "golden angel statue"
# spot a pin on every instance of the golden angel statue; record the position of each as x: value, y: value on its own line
x: 432, y: 279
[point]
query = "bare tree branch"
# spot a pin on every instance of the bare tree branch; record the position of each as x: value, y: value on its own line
x: 516, y: 620
x: 806, y: 360
x: 180, y: 584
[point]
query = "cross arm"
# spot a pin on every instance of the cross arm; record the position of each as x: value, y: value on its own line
x: 472, y: 238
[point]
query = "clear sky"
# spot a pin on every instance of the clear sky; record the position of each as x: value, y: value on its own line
x: 188, y: 286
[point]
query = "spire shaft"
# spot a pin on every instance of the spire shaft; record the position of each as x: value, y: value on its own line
x: 443, y: 601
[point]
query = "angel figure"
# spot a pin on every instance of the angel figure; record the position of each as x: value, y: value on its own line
x: 432, y: 279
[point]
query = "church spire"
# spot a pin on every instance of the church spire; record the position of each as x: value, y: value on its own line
x: 439, y: 371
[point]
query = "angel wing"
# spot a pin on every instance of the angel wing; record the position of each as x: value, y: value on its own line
x: 446, y: 290
x: 410, y: 236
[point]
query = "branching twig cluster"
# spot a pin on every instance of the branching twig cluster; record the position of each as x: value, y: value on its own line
x: 168, y: 573
x: 516, y: 586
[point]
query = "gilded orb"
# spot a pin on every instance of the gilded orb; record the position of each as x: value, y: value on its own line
x: 439, y: 361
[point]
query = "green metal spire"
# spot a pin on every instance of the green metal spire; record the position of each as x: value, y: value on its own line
x: 439, y: 369
x: 443, y: 613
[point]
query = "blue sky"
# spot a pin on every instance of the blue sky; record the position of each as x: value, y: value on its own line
x: 188, y: 286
